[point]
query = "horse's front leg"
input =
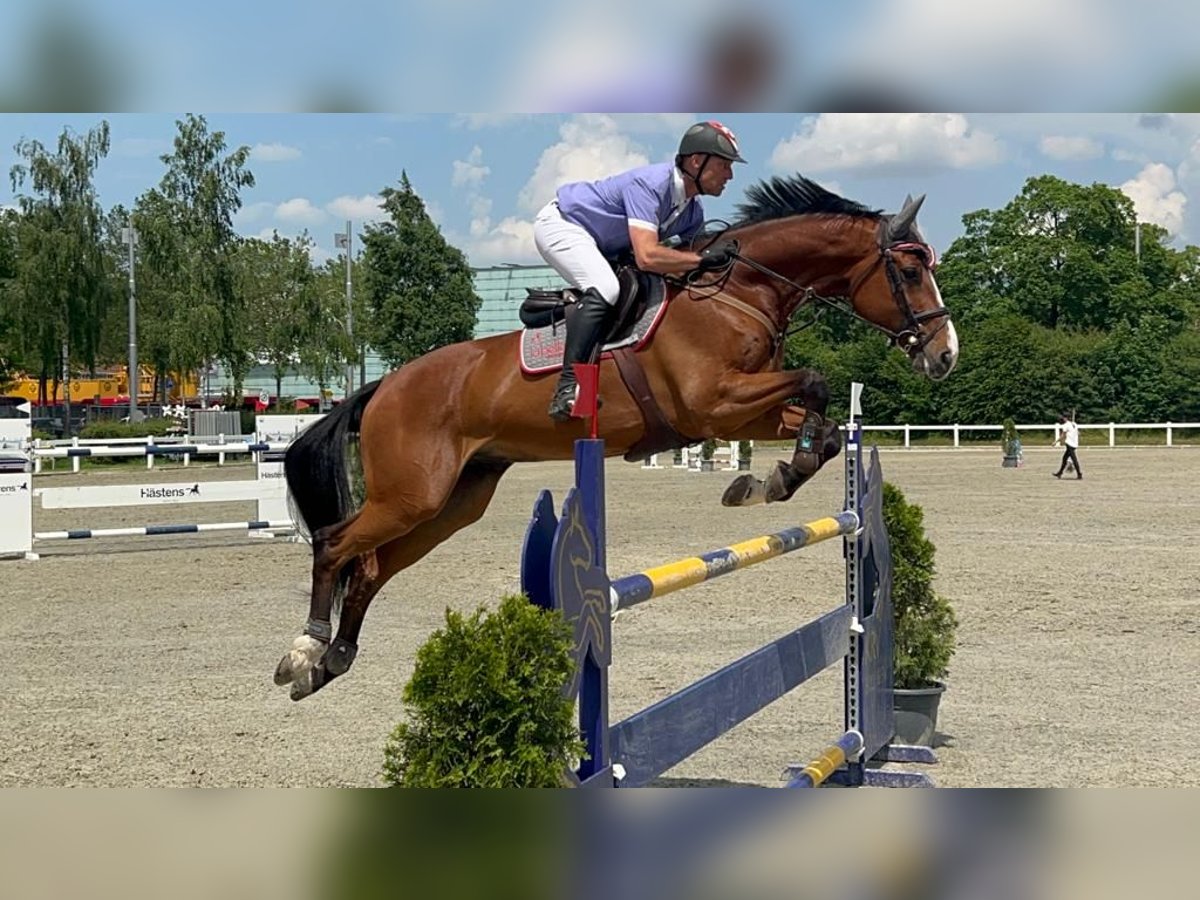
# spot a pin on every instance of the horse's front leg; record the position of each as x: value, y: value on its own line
x: 743, y: 398
x: 818, y: 440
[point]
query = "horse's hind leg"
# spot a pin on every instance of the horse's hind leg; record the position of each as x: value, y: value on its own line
x: 467, y: 502
x: 350, y: 543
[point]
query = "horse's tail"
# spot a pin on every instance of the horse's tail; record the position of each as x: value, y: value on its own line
x: 316, y: 466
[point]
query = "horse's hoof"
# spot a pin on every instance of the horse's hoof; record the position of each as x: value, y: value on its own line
x: 783, y: 482
x: 302, y: 686
x: 283, y: 671
x: 306, y: 652
x: 745, y: 490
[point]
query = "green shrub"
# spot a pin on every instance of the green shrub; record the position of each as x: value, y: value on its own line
x: 708, y: 449
x: 745, y: 450
x: 925, y: 622
x: 485, y: 703
x: 115, y: 429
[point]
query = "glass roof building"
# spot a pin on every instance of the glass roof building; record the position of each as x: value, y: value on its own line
x: 501, y: 288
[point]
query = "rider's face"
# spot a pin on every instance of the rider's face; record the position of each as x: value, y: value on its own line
x: 715, y: 175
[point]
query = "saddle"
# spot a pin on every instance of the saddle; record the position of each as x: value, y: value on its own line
x: 639, y: 308
x: 639, y: 292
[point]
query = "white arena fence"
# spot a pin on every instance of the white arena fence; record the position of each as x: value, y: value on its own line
x: 1113, y: 429
x: 19, y: 457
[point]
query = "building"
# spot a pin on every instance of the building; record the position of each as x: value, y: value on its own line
x: 501, y: 288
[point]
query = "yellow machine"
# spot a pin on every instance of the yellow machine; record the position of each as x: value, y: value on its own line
x: 109, y: 386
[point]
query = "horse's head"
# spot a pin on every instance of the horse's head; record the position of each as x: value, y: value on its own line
x: 803, y: 240
x: 895, y: 290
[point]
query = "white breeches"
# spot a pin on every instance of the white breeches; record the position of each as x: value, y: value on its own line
x: 572, y: 252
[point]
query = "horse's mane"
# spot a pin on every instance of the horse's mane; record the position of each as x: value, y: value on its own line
x: 778, y: 198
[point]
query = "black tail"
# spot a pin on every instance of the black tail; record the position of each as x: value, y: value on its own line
x: 315, y: 464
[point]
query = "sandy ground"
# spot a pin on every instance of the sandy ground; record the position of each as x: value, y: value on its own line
x: 148, y: 661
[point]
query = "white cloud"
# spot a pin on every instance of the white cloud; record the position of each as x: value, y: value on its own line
x: 1065, y: 147
x: 299, y: 210
x: 252, y: 212
x: 273, y: 153
x: 358, y: 209
x: 886, y: 144
x: 1122, y: 155
x: 509, y: 241
x: 591, y: 147
x: 471, y: 171
x: 1156, y: 197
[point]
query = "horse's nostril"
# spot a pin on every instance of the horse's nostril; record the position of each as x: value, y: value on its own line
x: 947, y: 358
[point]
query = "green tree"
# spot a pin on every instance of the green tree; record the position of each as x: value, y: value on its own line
x: 63, y: 280
x: 186, y: 226
x: 10, y: 343
x: 418, y: 287
x: 274, y: 282
x: 325, y: 349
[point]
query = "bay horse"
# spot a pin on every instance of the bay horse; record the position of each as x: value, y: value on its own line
x: 436, y: 435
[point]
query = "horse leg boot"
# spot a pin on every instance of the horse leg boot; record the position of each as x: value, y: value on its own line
x: 585, y: 331
x: 817, y: 441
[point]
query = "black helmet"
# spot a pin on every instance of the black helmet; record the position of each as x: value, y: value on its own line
x: 710, y: 137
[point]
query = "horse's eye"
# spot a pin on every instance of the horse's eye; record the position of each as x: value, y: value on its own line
x: 911, y: 273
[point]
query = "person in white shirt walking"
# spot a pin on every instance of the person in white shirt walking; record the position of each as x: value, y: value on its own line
x: 1068, y: 433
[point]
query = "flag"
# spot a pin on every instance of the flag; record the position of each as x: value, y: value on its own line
x: 588, y: 378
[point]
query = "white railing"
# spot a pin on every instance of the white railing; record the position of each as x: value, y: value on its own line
x: 149, y: 447
x: 1111, y: 427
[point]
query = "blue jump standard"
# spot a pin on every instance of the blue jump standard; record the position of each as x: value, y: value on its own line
x: 563, y: 566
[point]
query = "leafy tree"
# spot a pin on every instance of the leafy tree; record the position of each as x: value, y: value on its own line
x: 418, y: 287
x: 62, y: 280
x: 274, y: 283
x: 325, y: 350
x: 10, y: 343
x: 186, y: 225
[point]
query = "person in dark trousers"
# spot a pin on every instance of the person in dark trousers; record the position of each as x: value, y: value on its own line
x: 1068, y: 433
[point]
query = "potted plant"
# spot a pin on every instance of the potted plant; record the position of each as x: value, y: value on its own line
x: 707, y: 450
x: 925, y: 623
x: 1010, y: 443
x: 745, y: 452
x: 507, y: 667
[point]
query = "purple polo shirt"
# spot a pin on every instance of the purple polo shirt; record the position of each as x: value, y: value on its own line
x: 649, y: 197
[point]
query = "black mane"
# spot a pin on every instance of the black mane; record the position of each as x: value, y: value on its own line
x: 794, y: 196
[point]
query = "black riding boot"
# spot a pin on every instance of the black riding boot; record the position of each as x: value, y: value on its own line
x: 585, y: 331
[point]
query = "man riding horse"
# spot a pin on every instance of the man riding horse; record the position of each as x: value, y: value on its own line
x: 588, y: 224
x: 435, y: 437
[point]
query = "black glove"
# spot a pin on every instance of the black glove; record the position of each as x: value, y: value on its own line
x: 718, y: 256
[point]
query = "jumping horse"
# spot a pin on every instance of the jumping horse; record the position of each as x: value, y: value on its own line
x: 436, y: 435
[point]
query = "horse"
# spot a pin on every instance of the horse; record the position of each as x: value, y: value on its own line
x: 436, y: 435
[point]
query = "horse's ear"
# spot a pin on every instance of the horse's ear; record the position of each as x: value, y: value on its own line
x: 900, y: 224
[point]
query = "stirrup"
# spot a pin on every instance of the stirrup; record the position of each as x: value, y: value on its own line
x: 562, y: 404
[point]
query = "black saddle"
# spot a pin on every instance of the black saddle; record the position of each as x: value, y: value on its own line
x: 639, y: 290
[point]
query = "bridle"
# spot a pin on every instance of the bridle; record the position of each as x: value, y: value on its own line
x: 909, y: 339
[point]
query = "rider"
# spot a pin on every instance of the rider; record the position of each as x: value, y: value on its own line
x: 590, y: 223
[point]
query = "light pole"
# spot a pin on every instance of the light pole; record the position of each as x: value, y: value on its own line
x: 345, y: 240
x: 130, y: 237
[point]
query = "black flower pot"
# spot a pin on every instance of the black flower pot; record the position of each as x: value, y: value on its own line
x: 916, y: 714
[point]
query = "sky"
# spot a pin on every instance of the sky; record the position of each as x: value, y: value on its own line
x: 484, y: 176
x: 613, y: 55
